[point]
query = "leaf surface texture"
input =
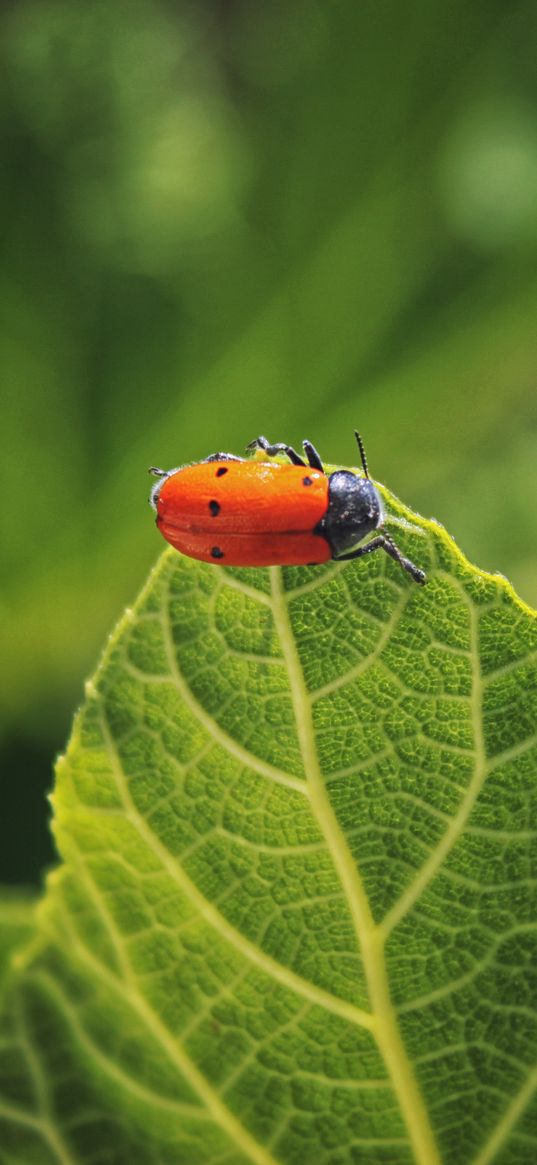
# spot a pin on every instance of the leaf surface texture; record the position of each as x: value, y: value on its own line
x: 295, y: 918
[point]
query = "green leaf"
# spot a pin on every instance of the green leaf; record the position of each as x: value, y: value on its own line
x: 17, y: 923
x: 295, y: 919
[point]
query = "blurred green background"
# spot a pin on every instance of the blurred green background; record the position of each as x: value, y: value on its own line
x: 226, y: 218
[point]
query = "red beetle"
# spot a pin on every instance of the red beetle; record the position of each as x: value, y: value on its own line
x: 248, y: 512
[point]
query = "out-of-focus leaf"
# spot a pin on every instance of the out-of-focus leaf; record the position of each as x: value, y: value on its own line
x: 17, y: 923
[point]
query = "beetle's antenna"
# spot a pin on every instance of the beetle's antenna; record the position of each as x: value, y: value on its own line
x: 362, y: 452
x: 158, y: 472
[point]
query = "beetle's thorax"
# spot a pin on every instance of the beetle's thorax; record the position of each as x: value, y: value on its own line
x: 354, y: 510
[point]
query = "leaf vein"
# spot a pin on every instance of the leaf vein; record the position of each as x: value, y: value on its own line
x: 367, y: 933
x: 110, y: 1067
x: 453, y: 831
x: 369, y: 659
x: 220, y: 1113
x: 219, y: 734
x: 220, y: 924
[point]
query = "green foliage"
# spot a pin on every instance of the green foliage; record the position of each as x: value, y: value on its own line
x: 295, y: 919
x: 16, y: 925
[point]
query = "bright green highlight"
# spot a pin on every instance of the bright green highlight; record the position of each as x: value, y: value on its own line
x: 295, y: 920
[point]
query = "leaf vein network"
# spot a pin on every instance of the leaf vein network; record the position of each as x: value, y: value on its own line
x: 207, y: 909
x: 368, y: 935
x: 217, y: 732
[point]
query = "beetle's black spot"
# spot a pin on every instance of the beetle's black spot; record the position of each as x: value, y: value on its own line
x: 216, y: 552
x: 220, y: 472
x: 214, y: 508
x: 307, y: 481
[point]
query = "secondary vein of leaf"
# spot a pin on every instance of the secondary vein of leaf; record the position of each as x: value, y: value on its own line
x: 219, y: 1112
x: 368, y: 935
x: 453, y: 831
x: 42, y: 1092
x: 19, y: 1116
x: 10, y: 1112
x: 365, y: 663
x: 213, y: 728
x: 106, y: 1063
x: 217, y: 920
x: 508, y: 1121
x: 419, y: 1002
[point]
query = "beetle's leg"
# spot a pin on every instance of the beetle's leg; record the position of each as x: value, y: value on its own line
x: 312, y: 455
x: 158, y: 472
x: 279, y: 447
x: 222, y: 457
x: 383, y: 542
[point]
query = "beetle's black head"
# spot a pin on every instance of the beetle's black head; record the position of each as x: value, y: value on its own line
x: 354, y: 510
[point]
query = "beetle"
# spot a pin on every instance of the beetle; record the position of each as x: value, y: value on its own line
x: 239, y: 511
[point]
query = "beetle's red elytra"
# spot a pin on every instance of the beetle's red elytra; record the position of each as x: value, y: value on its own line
x: 237, y: 511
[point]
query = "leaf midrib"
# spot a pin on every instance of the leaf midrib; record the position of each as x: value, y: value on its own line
x: 368, y: 935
